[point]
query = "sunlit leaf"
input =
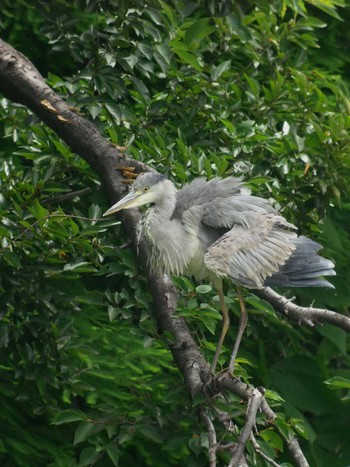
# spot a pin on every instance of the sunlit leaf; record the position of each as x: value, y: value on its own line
x: 337, y: 382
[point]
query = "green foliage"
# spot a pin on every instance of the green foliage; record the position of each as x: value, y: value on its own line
x: 193, y: 89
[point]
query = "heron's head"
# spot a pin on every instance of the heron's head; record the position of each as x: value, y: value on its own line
x: 148, y: 188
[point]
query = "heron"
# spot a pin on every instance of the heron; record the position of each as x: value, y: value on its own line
x: 212, y: 230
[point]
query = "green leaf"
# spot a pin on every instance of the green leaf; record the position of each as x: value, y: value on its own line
x: 152, y: 432
x: 273, y: 439
x: 198, y: 30
x: 204, y: 288
x: 83, y: 431
x: 95, y: 211
x: 11, y: 258
x: 261, y: 305
x: 254, y: 85
x: 299, y: 426
x: 113, y: 312
x: 165, y: 51
x: 144, y: 92
x: 282, y: 425
x: 88, y: 456
x: 83, y: 266
x: 92, y: 230
x: 220, y: 69
x: 113, y: 453
x: 328, y: 6
x: 38, y: 211
x: 273, y: 396
x: 337, y: 336
x: 189, y: 58
x: 94, y: 110
x: 68, y: 416
x: 337, y: 382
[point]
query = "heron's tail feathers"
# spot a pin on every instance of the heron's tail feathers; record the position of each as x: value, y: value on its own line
x: 304, y: 268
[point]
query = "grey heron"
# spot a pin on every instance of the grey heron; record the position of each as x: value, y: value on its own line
x: 216, y: 229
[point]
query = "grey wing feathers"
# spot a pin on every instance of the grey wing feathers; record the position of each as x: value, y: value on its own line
x: 304, y: 268
x: 234, y: 210
x: 260, y: 249
x: 249, y: 256
x: 222, y: 202
x: 201, y: 192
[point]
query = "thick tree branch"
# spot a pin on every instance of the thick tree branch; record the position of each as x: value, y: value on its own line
x: 21, y: 82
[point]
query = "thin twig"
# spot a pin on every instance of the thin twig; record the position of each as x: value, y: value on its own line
x: 66, y: 196
x: 211, y: 436
x: 226, y: 447
x: 261, y: 452
x: 49, y: 216
x: 253, y: 406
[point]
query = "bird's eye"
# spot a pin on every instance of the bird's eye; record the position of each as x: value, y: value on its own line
x: 146, y: 188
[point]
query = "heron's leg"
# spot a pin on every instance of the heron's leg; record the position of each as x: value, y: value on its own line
x: 242, y: 325
x: 225, y: 326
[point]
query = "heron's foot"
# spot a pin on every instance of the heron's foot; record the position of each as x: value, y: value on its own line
x: 223, y: 372
x: 128, y: 173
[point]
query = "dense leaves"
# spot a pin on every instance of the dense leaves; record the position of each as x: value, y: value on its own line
x: 193, y: 89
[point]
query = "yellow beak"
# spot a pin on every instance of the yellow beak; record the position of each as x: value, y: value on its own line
x: 131, y: 200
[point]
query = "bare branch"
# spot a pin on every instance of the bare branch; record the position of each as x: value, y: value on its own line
x: 305, y: 315
x: 296, y: 452
x: 253, y: 406
x: 211, y: 436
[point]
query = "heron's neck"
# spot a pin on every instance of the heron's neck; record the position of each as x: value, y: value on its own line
x: 163, y: 209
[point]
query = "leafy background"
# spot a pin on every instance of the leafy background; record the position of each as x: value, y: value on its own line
x: 201, y: 88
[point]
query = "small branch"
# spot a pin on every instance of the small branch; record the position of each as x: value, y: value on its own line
x: 296, y: 452
x: 304, y: 315
x: 253, y: 406
x: 66, y: 196
x: 261, y: 452
x: 226, y: 383
x: 211, y: 436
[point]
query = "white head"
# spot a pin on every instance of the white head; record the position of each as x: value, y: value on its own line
x: 149, y: 188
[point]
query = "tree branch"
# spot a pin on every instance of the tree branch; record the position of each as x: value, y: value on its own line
x: 296, y: 452
x: 304, y: 315
x: 211, y: 436
x: 21, y: 82
x: 253, y: 406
